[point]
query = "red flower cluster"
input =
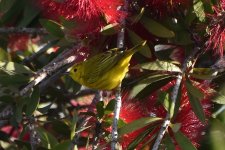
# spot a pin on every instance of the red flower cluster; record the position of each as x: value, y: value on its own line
x: 190, y: 124
x: 216, y: 40
x: 87, y: 14
x: 18, y: 42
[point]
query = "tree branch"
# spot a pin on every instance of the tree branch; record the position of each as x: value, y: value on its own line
x: 67, y: 57
x: 10, y: 30
x: 174, y: 95
x: 118, y: 99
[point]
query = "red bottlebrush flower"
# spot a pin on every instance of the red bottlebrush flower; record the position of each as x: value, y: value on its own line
x: 163, y: 8
x: 18, y: 42
x: 216, y: 39
x: 86, y: 13
x: 190, y: 125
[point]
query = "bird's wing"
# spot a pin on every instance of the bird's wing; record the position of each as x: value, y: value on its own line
x: 98, y: 65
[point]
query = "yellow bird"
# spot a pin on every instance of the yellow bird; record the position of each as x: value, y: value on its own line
x: 104, y: 71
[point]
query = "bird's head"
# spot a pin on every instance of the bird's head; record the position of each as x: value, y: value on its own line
x: 75, y: 72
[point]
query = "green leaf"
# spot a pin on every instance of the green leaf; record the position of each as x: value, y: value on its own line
x: 137, y: 17
x: 217, y: 133
x: 13, y: 10
x: 203, y: 73
x: 175, y: 127
x: 63, y: 146
x: 19, y: 108
x: 47, y: 139
x: 14, y: 68
x: 61, y: 128
x: 195, y: 95
x: 110, y: 29
x: 220, y: 95
x: 100, y: 109
x: 183, y: 141
x: 52, y: 27
x: 137, y: 124
x: 169, y: 143
x: 136, y: 39
x: 199, y: 10
x: 33, y: 102
x: 13, y: 80
x: 156, y: 28
x: 139, y: 139
x: 29, y: 14
x: 194, y: 90
x: 5, y: 5
x: 141, y: 85
x: 144, y: 92
x: 160, y: 66
x: 3, y: 55
x: 110, y: 107
x: 164, y: 99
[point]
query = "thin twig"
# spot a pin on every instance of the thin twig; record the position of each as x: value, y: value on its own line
x: 65, y: 58
x: 34, y: 137
x: 43, y: 49
x: 118, y: 99
x: 174, y: 95
x: 10, y: 30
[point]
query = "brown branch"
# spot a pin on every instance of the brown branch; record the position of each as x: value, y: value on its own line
x: 67, y: 57
x: 11, y: 30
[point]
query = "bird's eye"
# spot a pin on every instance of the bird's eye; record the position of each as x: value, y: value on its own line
x: 75, y: 70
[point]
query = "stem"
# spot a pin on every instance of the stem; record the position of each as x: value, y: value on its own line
x: 118, y: 99
x: 116, y: 118
x: 65, y: 58
x: 174, y: 95
x: 43, y: 49
x: 11, y: 30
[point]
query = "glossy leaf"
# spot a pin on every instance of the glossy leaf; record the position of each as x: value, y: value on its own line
x: 137, y: 17
x: 199, y: 9
x: 14, y: 68
x: 110, y: 107
x: 203, y: 73
x: 47, y: 139
x: 100, y: 109
x: 33, y: 102
x: 109, y: 29
x: 169, y: 143
x: 136, y: 39
x: 183, y: 141
x: 64, y: 145
x: 195, y: 96
x: 160, y: 66
x: 3, y: 55
x: 137, y: 124
x: 52, y: 27
x: 139, y: 139
x: 156, y: 28
x: 141, y: 85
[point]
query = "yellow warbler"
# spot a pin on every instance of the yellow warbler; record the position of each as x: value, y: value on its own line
x: 104, y: 71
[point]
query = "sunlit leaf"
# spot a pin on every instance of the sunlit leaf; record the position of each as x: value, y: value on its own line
x: 136, y: 39
x: 137, y: 124
x: 138, y: 16
x: 160, y: 66
x: 14, y: 68
x: 203, y: 73
x: 199, y: 9
x: 110, y: 29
